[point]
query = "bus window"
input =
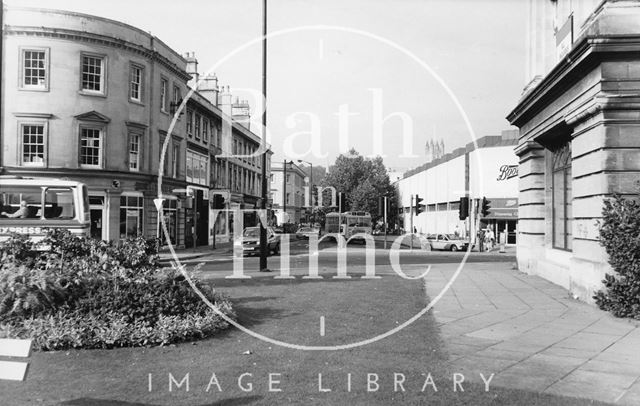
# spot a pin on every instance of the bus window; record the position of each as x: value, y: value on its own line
x: 11, y: 199
x: 59, y: 203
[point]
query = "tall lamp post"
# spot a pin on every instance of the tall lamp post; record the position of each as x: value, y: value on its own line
x: 310, y: 181
x: 263, y: 202
x: 284, y: 189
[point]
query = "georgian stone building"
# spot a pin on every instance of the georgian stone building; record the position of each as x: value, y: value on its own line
x: 579, y: 120
x: 92, y: 99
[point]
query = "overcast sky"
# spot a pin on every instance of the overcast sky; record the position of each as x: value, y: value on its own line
x: 369, y: 65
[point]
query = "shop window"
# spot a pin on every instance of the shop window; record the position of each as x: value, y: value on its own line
x: 561, y: 197
x: 131, y: 210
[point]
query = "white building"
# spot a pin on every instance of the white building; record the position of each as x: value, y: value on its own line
x: 486, y: 169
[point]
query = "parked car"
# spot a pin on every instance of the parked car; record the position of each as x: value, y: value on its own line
x: 251, y: 241
x: 306, y: 232
x: 447, y: 242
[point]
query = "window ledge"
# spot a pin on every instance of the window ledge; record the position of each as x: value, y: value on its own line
x: 89, y: 93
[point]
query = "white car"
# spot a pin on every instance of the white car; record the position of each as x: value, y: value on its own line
x: 447, y: 242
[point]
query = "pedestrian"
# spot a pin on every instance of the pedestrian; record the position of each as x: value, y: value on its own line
x: 415, y: 230
x: 456, y: 232
x: 22, y: 212
x: 481, y: 238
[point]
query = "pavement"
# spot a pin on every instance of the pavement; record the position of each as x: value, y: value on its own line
x: 533, y: 336
x: 186, y: 254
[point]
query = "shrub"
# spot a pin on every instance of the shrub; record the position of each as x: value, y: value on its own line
x: 86, y: 293
x: 620, y: 235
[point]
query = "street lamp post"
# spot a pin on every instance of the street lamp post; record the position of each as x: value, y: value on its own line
x: 310, y: 182
x: 263, y: 204
x: 284, y: 189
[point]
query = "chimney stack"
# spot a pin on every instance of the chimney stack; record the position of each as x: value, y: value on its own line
x: 209, y: 89
x: 192, y: 68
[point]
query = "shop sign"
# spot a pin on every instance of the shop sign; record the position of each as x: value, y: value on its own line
x: 22, y: 230
x: 507, y: 172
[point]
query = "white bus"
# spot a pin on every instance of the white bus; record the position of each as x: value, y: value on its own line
x: 33, y: 206
x: 348, y: 223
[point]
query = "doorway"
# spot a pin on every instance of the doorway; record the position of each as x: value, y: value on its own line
x: 97, y: 211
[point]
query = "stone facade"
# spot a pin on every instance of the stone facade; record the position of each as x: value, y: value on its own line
x: 94, y: 100
x: 588, y: 101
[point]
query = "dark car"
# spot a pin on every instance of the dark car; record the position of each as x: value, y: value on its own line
x: 251, y: 241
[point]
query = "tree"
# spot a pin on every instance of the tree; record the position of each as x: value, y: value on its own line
x: 362, y: 181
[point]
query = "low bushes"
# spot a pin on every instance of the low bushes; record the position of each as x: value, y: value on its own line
x: 86, y: 293
x: 620, y: 235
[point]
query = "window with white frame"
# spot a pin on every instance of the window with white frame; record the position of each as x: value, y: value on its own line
x: 135, y: 82
x: 175, y: 157
x: 164, y: 85
x: 205, y: 129
x: 176, y: 95
x: 134, y: 152
x: 93, y: 74
x: 35, y: 66
x: 131, y: 211
x: 91, y: 147
x: 197, y: 125
x: 189, y: 123
x: 33, y: 144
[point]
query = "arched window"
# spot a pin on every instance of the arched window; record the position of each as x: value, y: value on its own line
x: 562, y: 196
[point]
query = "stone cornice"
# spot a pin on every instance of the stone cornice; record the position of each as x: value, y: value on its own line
x: 527, y: 146
x: 87, y: 37
x: 589, y: 52
x: 603, y: 102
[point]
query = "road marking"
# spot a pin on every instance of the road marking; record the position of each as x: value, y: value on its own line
x: 321, y: 326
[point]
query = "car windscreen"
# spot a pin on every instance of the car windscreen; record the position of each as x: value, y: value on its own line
x: 251, y: 233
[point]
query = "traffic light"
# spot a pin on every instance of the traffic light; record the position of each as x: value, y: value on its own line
x: 486, y: 207
x: 218, y: 202
x: 464, y: 208
x: 418, y: 208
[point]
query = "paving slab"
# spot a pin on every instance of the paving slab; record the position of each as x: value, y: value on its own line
x: 581, y: 383
x: 534, y: 336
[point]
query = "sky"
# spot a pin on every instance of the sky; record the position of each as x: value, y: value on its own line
x: 381, y: 76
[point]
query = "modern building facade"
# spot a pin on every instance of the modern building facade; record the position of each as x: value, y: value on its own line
x: 92, y: 99
x: 579, y: 120
x: 486, y: 169
x: 288, y: 182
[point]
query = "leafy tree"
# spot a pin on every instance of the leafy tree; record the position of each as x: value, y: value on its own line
x: 362, y: 182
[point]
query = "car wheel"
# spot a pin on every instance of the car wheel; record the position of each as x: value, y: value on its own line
x: 454, y: 247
